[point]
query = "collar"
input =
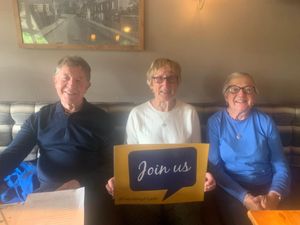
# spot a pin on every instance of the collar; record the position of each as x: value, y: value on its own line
x: 61, y: 110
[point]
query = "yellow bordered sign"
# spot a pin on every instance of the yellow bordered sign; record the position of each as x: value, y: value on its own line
x: 160, y: 173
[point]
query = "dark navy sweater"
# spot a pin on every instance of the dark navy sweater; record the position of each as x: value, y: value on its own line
x: 76, y: 146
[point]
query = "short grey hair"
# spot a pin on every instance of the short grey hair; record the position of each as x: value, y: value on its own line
x: 73, y: 61
x: 161, y: 63
x: 237, y: 75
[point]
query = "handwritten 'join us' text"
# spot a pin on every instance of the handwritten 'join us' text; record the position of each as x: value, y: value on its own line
x: 160, y: 170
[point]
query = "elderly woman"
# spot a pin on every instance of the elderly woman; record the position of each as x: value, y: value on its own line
x: 246, y: 154
x: 164, y: 119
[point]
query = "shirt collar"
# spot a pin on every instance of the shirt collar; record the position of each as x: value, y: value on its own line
x: 60, y: 109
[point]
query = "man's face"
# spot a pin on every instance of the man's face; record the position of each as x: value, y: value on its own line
x: 71, y: 85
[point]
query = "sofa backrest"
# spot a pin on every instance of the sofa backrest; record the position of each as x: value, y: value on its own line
x: 287, y: 119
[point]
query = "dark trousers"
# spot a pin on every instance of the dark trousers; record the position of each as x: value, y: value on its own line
x: 99, y: 208
x: 196, y: 213
x: 210, y: 214
x: 173, y: 214
x: 232, y: 211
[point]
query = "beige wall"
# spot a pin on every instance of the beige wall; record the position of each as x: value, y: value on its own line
x: 261, y: 37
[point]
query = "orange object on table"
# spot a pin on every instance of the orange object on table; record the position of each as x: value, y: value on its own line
x: 274, y: 217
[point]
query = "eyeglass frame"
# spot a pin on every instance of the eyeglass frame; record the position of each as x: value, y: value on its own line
x: 253, y: 90
x: 170, y: 79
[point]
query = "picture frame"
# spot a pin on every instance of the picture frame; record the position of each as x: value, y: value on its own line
x: 80, y: 24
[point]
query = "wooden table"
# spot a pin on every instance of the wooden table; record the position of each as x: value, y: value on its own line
x: 18, y: 215
x: 9, y: 213
x: 275, y: 217
x: 47, y: 208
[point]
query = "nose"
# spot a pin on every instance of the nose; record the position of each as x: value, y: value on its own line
x: 241, y: 92
x: 71, y: 82
x: 166, y: 82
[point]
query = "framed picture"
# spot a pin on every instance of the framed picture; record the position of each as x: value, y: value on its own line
x: 80, y: 24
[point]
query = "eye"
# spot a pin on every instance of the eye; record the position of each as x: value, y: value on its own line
x: 158, y: 79
x: 65, y: 77
x: 172, y: 79
x: 234, y: 89
x: 249, y: 90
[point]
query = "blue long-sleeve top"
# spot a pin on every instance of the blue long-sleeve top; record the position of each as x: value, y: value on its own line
x: 247, y: 153
x: 76, y: 146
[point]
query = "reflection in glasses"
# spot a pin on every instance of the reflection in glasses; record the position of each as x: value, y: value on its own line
x: 161, y: 79
x: 249, y: 90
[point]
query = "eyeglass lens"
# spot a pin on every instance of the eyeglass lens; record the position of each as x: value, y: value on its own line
x: 246, y: 90
x: 160, y: 79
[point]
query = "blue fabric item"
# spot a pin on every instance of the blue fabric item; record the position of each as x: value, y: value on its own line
x: 248, y: 154
x: 21, y: 182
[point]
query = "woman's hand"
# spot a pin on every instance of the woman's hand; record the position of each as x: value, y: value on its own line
x: 210, y: 182
x: 253, y: 203
x: 110, y: 186
x: 270, y: 200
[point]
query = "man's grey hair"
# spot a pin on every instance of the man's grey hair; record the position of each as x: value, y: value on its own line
x: 73, y: 61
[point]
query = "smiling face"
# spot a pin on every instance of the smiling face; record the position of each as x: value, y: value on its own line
x: 240, y: 96
x: 71, y: 84
x: 164, y: 84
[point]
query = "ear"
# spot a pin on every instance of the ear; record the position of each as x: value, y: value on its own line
x: 88, y: 85
x: 150, y: 85
x: 149, y: 82
x: 226, y: 98
x: 54, y: 79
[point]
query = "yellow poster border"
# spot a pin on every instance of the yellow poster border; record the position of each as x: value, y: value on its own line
x: 123, y: 193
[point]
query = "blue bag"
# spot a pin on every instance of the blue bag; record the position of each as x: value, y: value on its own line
x: 21, y: 182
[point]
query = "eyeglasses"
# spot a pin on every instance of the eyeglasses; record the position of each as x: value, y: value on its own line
x: 248, y: 90
x: 161, y: 79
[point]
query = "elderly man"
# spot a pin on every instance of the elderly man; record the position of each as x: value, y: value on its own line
x: 74, y: 138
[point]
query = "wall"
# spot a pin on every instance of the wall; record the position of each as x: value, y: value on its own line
x: 255, y: 36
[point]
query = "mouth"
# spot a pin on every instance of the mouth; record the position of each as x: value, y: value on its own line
x: 241, y: 101
x: 166, y: 92
x: 70, y: 93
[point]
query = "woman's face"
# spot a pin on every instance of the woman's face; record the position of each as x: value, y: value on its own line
x: 240, y: 95
x: 164, y: 84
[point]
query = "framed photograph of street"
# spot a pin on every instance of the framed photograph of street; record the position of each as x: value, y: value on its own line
x: 80, y: 24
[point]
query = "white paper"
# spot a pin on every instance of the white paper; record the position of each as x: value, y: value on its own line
x: 59, y: 207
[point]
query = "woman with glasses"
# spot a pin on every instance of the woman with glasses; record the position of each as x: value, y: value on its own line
x: 164, y: 120
x: 246, y: 155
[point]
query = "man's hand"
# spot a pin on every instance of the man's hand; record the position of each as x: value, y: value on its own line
x: 110, y: 186
x: 210, y: 182
x: 71, y: 184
